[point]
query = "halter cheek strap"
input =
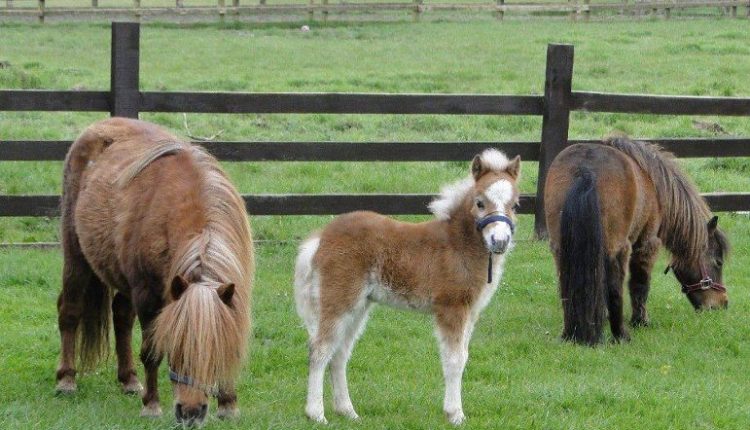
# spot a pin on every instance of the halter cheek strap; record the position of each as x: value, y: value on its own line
x: 706, y: 283
x: 186, y: 380
x: 484, y: 222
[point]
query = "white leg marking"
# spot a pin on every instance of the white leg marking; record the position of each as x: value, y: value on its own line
x: 342, y: 403
x: 453, y: 355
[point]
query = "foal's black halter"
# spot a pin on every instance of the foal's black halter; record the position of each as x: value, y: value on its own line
x: 186, y: 380
x: 483, y: 222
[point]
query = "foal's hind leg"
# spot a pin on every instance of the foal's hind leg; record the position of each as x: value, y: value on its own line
x: 331, y: 333
x: 641, y: 263
x: 123, y: 316
x: 342, y: 403
x: 451, y: 331
x: 614, y: 268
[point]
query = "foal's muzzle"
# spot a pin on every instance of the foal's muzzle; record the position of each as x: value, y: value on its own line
x: 496, y: 245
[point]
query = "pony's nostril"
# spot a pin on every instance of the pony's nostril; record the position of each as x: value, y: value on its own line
x: 204, y: 409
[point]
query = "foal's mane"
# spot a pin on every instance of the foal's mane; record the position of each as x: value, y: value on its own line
x: 685, y: 214
x: 205, y: 339
x: 452, y: 195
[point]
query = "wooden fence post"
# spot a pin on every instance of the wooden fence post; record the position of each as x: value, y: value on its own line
x: 124, y: 87
x: 587, y: 10
x: 137, y: 9
x: 417, y: 10
x: 222, y: 10
x: 555, y: 120
x: 41, y: 11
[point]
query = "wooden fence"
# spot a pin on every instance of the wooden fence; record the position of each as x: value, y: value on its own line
x: 309, y: 9
x: 125, y: 99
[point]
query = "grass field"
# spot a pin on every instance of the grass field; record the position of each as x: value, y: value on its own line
x: 686, y: 371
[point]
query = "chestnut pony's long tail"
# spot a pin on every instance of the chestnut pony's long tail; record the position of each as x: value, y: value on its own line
x: 581, y: 258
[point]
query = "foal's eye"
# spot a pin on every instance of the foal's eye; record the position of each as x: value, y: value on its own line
x: 480, y: 204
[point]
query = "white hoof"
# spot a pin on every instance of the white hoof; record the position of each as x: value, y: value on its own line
x: 151, y: 411
x: 316, y: 415
x: 227, y: 412
x: 348, y: 412
x: 66, y: 385
x: 133, y: 387
x: 456, y: 418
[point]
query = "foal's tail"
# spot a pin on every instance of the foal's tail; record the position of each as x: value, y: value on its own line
x: 582, y: 262
x: 306, y: 286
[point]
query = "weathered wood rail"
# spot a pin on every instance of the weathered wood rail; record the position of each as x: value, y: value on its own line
x: 41, y: 9
x: 126, y: 99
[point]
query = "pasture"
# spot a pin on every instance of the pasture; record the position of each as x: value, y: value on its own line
x: 685, y: 371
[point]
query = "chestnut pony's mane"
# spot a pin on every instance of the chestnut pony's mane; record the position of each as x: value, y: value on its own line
x: 204, y: 338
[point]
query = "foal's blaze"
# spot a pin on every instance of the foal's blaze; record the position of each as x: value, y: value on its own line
x: 448, y: 267
x: 152, y: 227
x: 610, y: 207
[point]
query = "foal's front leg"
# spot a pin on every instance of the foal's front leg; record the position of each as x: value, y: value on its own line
x: 454, y: 351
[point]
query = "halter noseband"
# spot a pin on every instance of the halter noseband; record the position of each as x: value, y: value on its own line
x: 495, y: 217
x: 484, y: 222
x: 186, y: 380
x: 706, y: 283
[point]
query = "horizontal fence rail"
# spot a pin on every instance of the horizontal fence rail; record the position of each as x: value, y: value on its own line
x: 55, y: 150
x: 660, y: 105
x: 332, y: 204
x: 261, y: 9
x: 126, y: 99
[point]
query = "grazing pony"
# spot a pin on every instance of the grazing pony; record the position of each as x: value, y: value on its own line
x: 152, y: 227
x: 448, y: 267
x: 612, y: 205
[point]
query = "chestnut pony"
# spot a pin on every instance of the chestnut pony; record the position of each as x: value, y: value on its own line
x: 610, y: 207
x: 152, y: 227
x: 449, y: 267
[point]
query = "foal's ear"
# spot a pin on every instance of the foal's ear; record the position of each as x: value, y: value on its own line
x: 178, y: 287
x: 226, y: 292
x: 713, y: 223
x: 514, y: 167
x: 477, y: 169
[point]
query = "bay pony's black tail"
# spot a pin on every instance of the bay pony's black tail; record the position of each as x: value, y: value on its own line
x: 582, y: 262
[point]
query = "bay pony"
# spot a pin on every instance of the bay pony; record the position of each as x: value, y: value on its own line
x: 152, y: 227
x: 609, y: 208
x: 448, y: 267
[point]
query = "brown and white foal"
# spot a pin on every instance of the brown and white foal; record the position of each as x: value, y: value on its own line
x: 448, y: 267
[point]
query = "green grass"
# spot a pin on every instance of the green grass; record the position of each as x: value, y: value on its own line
x: 688, y: 370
